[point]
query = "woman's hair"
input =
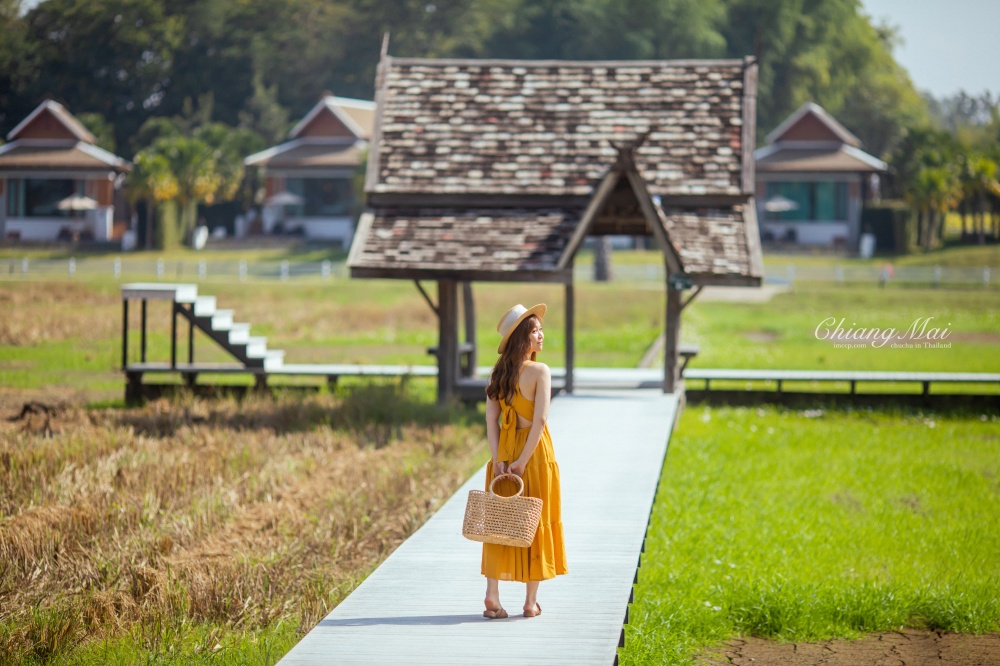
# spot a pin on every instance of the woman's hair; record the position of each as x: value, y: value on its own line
x: 507, y: 371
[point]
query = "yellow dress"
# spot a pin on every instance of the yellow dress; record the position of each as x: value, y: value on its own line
x: 546, y: 556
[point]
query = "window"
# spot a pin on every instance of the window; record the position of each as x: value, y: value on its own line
x: 321, y: 197
x: 808, y: 201
x: 40, y: 197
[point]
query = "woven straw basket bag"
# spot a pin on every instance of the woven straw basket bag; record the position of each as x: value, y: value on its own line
x: 507, y: 521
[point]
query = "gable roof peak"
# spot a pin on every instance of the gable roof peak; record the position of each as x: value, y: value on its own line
x: 820, y: 114
x: 338, y: 107
x: 61, y: 115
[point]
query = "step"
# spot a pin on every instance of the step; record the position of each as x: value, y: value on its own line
x: 274, y: 359
x: 256, y: 347
x: 179, y: 293
x: 222, y: 320
x: 204, y: 306
x: 239, y: 333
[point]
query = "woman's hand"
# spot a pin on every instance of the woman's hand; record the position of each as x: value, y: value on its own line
x: 499, y: 468
x: 517, y: 467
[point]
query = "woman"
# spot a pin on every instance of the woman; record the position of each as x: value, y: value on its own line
x: 517, y: 407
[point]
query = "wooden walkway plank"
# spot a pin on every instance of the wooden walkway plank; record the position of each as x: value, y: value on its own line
x: 423, y: 605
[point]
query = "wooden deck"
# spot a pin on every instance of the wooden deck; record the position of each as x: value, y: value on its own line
x: 423, y: 605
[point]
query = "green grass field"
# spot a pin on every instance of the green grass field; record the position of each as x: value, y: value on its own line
x: 768, y: 522
x: 809, y: 525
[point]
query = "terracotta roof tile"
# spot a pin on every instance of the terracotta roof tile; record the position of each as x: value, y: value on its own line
x: 487, y: 127
x: 711, y: 241
x: 468, y: 239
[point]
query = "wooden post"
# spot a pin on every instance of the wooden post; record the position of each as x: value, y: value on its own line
x: 125, y: 334
x: 447, y: 339
x: 469, y: 312
x: 671, y: 375
x: 142, y: 343
x: 570, y: 341
x: 173, y: 335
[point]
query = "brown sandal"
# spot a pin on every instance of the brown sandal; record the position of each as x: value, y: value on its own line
x: 533, y: 613
x: 497, y: 614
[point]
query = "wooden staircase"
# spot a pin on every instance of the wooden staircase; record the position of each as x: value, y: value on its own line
x: 202, y: 313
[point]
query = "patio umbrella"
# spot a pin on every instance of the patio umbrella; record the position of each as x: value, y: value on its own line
x: 77, y: 202
x: 284, y: 199
x: 780, y: 204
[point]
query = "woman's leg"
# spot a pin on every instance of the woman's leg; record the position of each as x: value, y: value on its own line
x: 531, y: 597
x: 492, y: 600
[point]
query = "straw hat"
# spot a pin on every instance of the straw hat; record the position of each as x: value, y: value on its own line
x: 512, y: 318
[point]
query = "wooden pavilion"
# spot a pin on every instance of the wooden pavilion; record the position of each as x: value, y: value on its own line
x: 496, y: 170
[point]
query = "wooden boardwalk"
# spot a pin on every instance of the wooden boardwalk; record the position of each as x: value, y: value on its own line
x: 424, y: 604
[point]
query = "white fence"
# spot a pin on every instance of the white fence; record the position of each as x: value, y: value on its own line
x: 22, y: 268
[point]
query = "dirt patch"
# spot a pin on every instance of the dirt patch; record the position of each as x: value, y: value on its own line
x: 910, y: 647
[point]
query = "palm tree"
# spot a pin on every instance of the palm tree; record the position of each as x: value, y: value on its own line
x: 933, y: 192
x: 983, y: 182
x: 152, y: 182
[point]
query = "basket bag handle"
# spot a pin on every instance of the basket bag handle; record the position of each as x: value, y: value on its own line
x: 520, y: 485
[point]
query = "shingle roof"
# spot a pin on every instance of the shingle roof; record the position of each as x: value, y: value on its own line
x: 715, y: 242
x: 840, y: 158
x: 540, y: 127
x: 502, y: 240
x: 310, y: 153
x: 57, y: 155
x: 468, y: 156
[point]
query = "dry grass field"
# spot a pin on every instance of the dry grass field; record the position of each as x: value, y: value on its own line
x: 186, y: 525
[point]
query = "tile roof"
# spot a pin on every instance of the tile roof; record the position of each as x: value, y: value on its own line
x: 58, y: 155
x: 544, y: 127
x: 477, y: 239
x: 714, y: 242
x: 310, y: 153
x: 841, y: 158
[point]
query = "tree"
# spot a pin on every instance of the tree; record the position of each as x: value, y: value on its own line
x: 933, y: 193
x: 100, y: 128
x: 152, y: 182
x: 192, y: 166
x: 982, y: 182
x: 111, y: 58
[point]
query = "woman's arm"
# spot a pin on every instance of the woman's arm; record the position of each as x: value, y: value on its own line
x: 543, y: 395
x: 493, y: 433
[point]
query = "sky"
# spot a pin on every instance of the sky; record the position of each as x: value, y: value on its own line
x: 948, y: 45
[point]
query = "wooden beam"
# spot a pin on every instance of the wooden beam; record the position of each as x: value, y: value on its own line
x: 749, y: 138
x: 447, y: 339
x: 570, y: 337
x: 551, y: 277
x: 476, y: 200
x: 694, y: 295
x: 596, y: 205
x: 427, y: 297
x: 374, y: 156
x: 469, y: 314
x: 671, y: 370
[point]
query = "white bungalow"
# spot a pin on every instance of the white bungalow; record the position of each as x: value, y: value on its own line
x: 309, y: 179
x: 55, y: 183
x: 813, y: 180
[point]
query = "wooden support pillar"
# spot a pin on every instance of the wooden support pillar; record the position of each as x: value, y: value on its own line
x: 173, y: 335
x: 671, y: 371
x: 447, y: 339
x: 125, y: 335
x: 469, y: 314
x: 570, y: 340
x: 142, y: 343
